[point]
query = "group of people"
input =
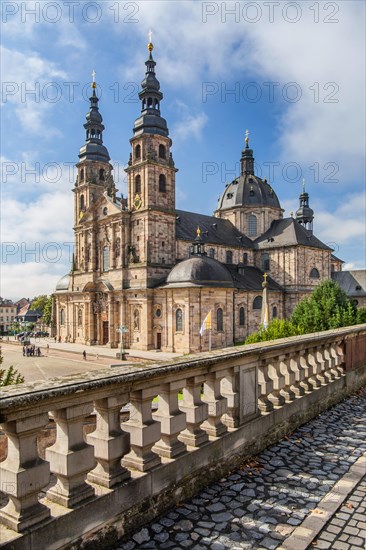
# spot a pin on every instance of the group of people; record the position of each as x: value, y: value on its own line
x: 31, y: 351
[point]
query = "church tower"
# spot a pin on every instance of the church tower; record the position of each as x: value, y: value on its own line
x: 151, y: 186
x: 94, y: 178
x: 305, y: 214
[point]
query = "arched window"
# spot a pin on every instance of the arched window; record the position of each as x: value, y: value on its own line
x: 138, y: 184
x: 241, y: 317
x: 229, y: 257
x: 274, y: 312
x: 162, y: 151
x: 101, y: 174
x: 80, y: 317
x: 162, y: 183
x: 257, y: 302
x: 211, y: 252
x: 62, y: 317
x: 179, y: 320
x: 265, y: 261
x: 245, y: 258
x: 82, y: 202
x: 82, y: 174
x: 138, y: 152
x: 220, y: 320
x: 252, y: 225
x: 314, y: 273
x: 149, y: 103
x: 106, y: 258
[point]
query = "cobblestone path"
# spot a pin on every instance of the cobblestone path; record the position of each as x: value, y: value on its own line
x: 259, y: 505
x: 347, y: 528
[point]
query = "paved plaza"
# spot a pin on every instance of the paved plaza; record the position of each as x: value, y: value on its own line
x: 282, y: 497
x: 62, y: 359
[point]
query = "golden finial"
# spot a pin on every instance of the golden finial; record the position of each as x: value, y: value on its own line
x: 150, y: 45
x: 94, y: 85
x: 264, y: 284
x: 247, y: 137
x: 198, y: 232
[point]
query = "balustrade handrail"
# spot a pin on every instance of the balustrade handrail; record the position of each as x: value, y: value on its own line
x: 24, y: 395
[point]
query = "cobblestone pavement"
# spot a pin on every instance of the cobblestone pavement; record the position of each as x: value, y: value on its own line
x: 347, y: 528
x: 259, y: 505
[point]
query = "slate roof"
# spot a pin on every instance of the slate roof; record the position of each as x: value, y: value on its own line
x: 251, y: 278
x: 200, y: 271
x: 213, y: 230
x: 288, y: 232
x: 248, y: 190
x: 352, y: 282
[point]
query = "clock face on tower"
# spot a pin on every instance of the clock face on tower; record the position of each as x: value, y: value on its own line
x: 137, y: 202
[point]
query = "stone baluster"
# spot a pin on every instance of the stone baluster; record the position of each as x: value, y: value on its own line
x: 217, y: 405
x: 172, y: 421
x: 322, y: 374
x: 144, y: 431
x: 297, y: 371
x: 265, y: 388
x: 314, y: 378
x: 305, y: 370
x: 230, y: 390
x: 196, y: 412
x: 110, y: 442
x: 336, y: 353
x: 70, y: 458
x: 329, y: 364
x: 287, y: 391
x: 23, y: 474
x: 278, y: 382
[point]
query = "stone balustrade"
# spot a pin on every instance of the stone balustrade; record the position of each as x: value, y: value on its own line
x: 206, y: 408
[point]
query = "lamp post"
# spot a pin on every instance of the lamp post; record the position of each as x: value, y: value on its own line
x: 122, y: 330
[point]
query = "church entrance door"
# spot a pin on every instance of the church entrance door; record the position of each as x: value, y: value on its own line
x: 105, y: 332
x: 158, y: 340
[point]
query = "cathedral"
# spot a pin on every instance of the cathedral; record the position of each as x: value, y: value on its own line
x: 150, y: 274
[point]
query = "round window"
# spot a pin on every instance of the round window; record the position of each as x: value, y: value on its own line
x: 105, y: 210
x: 158, y: 313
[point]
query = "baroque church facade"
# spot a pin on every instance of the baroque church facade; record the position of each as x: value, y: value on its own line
x: 149, y: 273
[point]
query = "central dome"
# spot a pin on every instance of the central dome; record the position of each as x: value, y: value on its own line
x: 248, y: 190
x: 200, y: 271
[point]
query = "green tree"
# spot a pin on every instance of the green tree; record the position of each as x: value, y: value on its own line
x: 39, y: 302
x: 9, y: 376
x: 278, y: 328
x: 328, y: 307
x: 361, y: 315
x: 47, y: 312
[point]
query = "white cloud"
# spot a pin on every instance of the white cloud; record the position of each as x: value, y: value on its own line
x: 26, y: 78
x: 30, y: 279
x: 188, y: 126
x: 324, y: 59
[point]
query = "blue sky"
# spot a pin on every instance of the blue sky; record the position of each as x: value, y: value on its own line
x: 291, y: 72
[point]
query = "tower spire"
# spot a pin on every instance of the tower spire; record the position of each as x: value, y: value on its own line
x: 247, y: 159
x: 94, y: 148
x: 150, y: 121
x: 305, y: 215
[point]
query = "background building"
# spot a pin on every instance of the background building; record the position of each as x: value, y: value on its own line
x: 141, y: 264
x: 8, y: 311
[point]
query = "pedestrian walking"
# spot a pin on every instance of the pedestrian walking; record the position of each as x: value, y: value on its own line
x: 48, y: 349
x: 84, y: 355
x: 39, y: 352
x: 23, y: 351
